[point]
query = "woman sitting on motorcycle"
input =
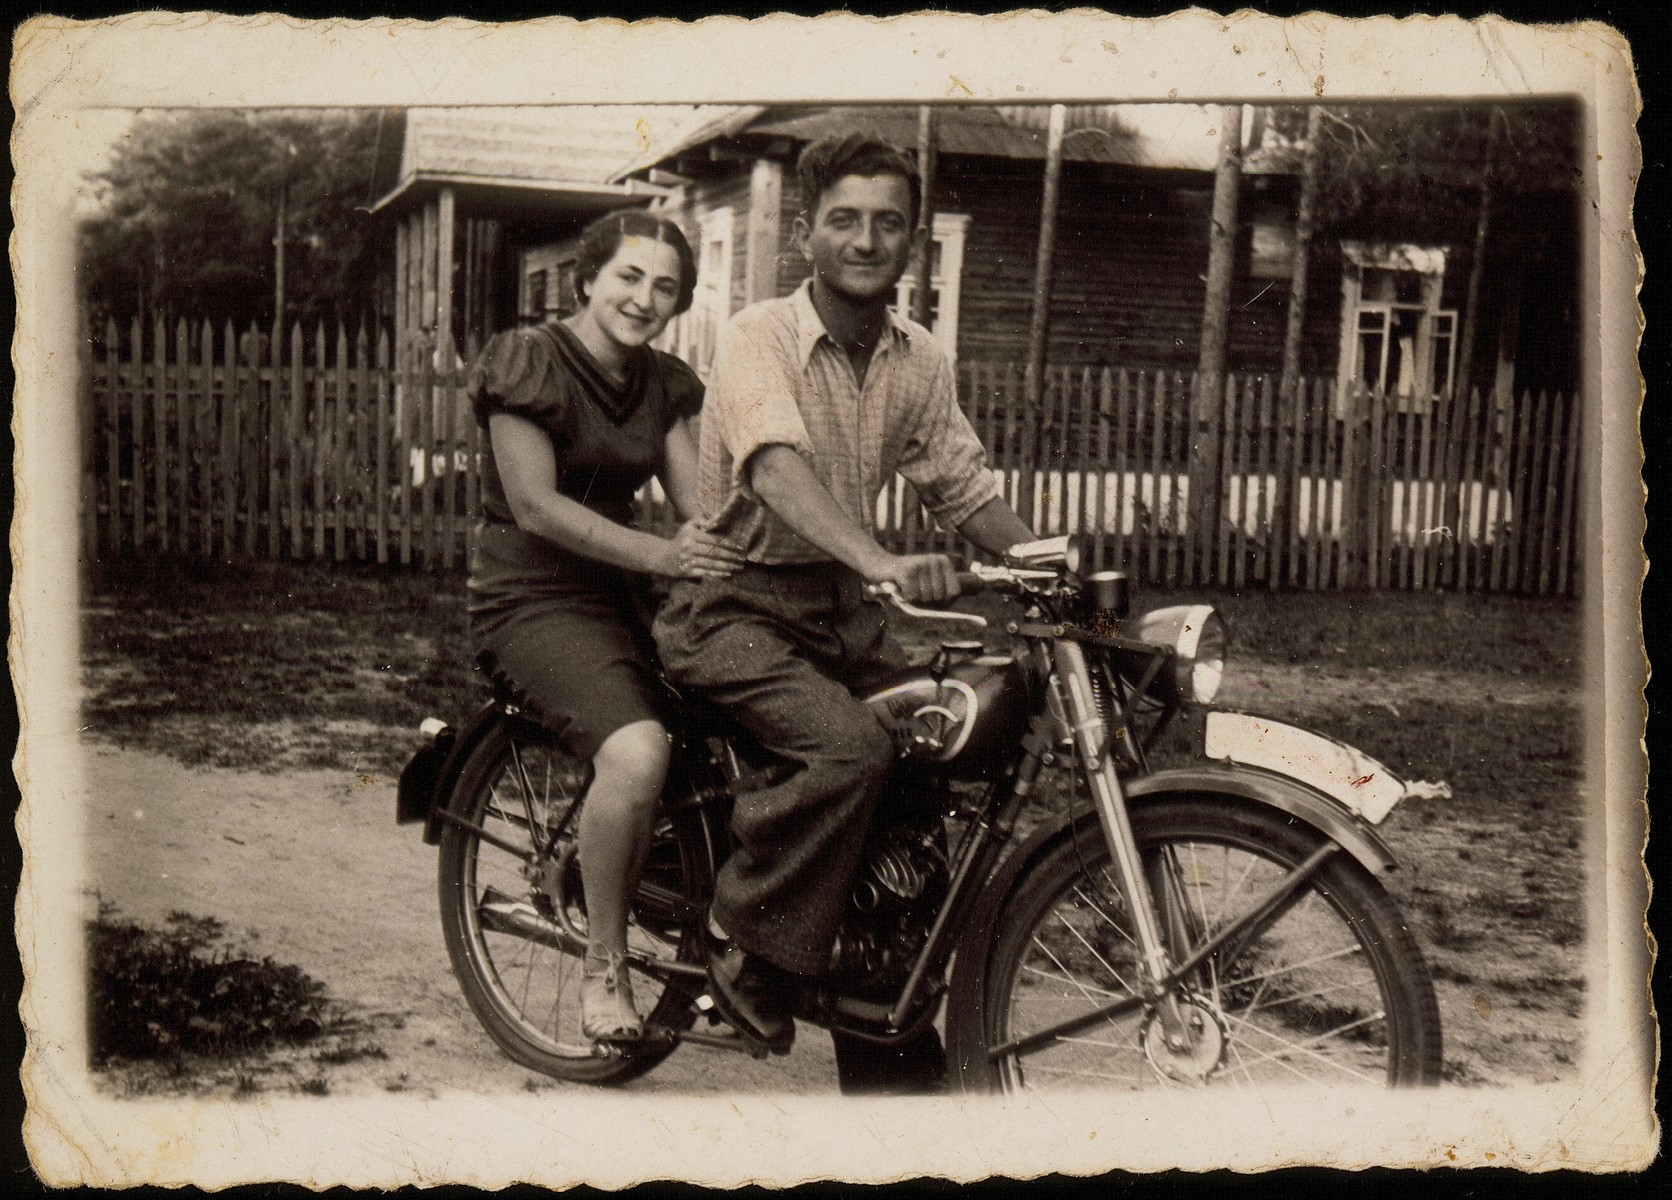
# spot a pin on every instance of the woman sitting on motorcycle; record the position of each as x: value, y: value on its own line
x: 580, y: 413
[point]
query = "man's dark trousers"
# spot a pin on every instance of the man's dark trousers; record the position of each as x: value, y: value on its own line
x: 779, y: 648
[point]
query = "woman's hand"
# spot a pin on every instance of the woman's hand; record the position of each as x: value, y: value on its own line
x: 698, y: 554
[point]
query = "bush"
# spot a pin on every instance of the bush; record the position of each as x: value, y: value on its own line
x: 161, y: 993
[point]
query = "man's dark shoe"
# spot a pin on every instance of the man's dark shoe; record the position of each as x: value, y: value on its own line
x: 752, y: 994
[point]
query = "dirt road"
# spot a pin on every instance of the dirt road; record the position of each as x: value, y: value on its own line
x: 308, y: 866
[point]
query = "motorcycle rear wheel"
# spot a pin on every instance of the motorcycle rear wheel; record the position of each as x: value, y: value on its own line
x: 515, y: 958
x: 1331, y: 989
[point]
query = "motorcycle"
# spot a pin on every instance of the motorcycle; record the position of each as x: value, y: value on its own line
x: 1089, y: 919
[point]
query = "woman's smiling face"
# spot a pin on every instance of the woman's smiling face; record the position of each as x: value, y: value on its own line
x: 636, y: 291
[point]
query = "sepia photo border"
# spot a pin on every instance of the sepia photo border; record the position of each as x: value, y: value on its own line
x: 66, y: 73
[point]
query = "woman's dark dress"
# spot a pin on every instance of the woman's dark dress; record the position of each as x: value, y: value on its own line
x: 571, y: 635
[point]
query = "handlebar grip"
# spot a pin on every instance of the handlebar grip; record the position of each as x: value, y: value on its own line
x: 968, y: 581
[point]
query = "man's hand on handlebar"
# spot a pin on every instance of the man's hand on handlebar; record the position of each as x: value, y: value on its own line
x: 920, y: 578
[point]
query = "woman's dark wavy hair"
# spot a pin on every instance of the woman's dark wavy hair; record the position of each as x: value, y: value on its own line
x: 825, y: 161
x: 600, y: 240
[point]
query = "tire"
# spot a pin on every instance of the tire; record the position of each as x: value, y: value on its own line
x: 525, y: 990
x: 1332, y: 989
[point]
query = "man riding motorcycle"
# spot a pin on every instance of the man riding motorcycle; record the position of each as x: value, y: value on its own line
x: 816, y: 400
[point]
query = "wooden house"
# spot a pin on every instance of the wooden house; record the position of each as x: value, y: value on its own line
x: 1131, y: 253
x: 469, y: 192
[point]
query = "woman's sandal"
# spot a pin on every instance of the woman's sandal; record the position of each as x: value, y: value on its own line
x: 607, y: 1012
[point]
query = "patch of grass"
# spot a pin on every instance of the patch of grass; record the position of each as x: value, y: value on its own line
x: 1444, y: 928
x: 350, y: 1052
x: 1462, y: 1073
x: 1394, y: 630
x: 164, y: 993
x: 1446, y: 970
x: 183, y: 656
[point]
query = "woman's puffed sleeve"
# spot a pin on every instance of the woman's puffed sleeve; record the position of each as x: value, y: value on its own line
x: 685, y: 390
x: 512, y: 374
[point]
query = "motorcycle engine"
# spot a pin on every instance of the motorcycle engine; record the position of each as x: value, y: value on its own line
x: 902, y: 881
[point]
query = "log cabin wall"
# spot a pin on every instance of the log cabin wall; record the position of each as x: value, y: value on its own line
x: 1128, y: 284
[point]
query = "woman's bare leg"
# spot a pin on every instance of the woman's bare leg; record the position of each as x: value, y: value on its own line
x: 628, y: 771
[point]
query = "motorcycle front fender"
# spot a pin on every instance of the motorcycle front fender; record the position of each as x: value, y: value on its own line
x: 1231, y: 783
x: 1273, y: 790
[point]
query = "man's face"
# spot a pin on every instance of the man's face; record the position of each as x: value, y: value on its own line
x: 860, y: 237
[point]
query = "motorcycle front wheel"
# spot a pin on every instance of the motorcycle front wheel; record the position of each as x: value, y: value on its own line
x: 514, y: 915
x: 1327, y: 988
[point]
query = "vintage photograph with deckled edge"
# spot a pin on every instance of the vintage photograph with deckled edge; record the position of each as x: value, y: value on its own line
x: 1264, y: 390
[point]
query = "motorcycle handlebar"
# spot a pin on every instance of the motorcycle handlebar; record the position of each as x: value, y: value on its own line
x: 968, y: 581
x: 888, y: 593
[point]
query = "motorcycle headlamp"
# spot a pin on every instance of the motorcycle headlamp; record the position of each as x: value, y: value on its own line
x: 1197, y: 635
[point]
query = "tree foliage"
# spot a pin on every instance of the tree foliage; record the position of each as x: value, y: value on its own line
x: 1419, y: 169
x: 188, y: 214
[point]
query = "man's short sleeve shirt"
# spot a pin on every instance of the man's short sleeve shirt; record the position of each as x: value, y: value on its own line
x: 780, y: 379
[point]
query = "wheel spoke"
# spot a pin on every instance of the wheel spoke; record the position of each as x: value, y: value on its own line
x: 1324, y: 983
x: 1316, y: 993
x: 1092, y: 950
x: 1094, y: 902
x: 512, y: 909
x: 1290, y: 968
x: 1284, y: 1046
x: 1061, y: 975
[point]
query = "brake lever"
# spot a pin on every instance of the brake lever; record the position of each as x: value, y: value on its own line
x: 890, y: 593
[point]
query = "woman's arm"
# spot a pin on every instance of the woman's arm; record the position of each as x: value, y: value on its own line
x: 528, y: 469
x: 679, y: 470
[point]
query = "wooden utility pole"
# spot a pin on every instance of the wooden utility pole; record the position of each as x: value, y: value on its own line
x: 1208, y: 401
x: 278, y: 256
x: 1040, y: 326
x: 923, y: 267
x: 1477, y: 265
x: 1290, y: 387
x: 1304, y: 220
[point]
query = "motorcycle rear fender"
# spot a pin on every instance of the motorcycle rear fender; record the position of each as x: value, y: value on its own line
x: 1235, y: 784
x: 432, y: 775
x: 415, y: 792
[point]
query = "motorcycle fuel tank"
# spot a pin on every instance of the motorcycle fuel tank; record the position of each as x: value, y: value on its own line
x: 968, y: 717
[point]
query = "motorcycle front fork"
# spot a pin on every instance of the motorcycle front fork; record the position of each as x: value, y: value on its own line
x: 1075, y: 706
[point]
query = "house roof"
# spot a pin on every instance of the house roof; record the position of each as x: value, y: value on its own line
x: 559, y: 157
x: 1163, y: 136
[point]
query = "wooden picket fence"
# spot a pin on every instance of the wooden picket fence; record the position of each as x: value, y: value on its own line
x: 1464, y: 492
x: 342, y: 449
x: 261, y: 445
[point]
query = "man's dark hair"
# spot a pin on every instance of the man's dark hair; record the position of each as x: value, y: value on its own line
x: 600, y: 240
x: 825, y: 161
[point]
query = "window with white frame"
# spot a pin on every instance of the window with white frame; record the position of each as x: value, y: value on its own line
x: 567, y: 299
x: 1395, y: 337
x: 946, y: 272
x: 711, y: 304
x: 534, y: 304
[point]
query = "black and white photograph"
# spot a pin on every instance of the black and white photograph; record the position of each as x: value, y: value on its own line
x: 827, y: 598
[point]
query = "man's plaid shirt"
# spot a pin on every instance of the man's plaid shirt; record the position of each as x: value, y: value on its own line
x: 780, y: 379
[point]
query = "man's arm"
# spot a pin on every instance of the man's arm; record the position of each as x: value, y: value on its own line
x: 995, y: 528
x: 786, y: 484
